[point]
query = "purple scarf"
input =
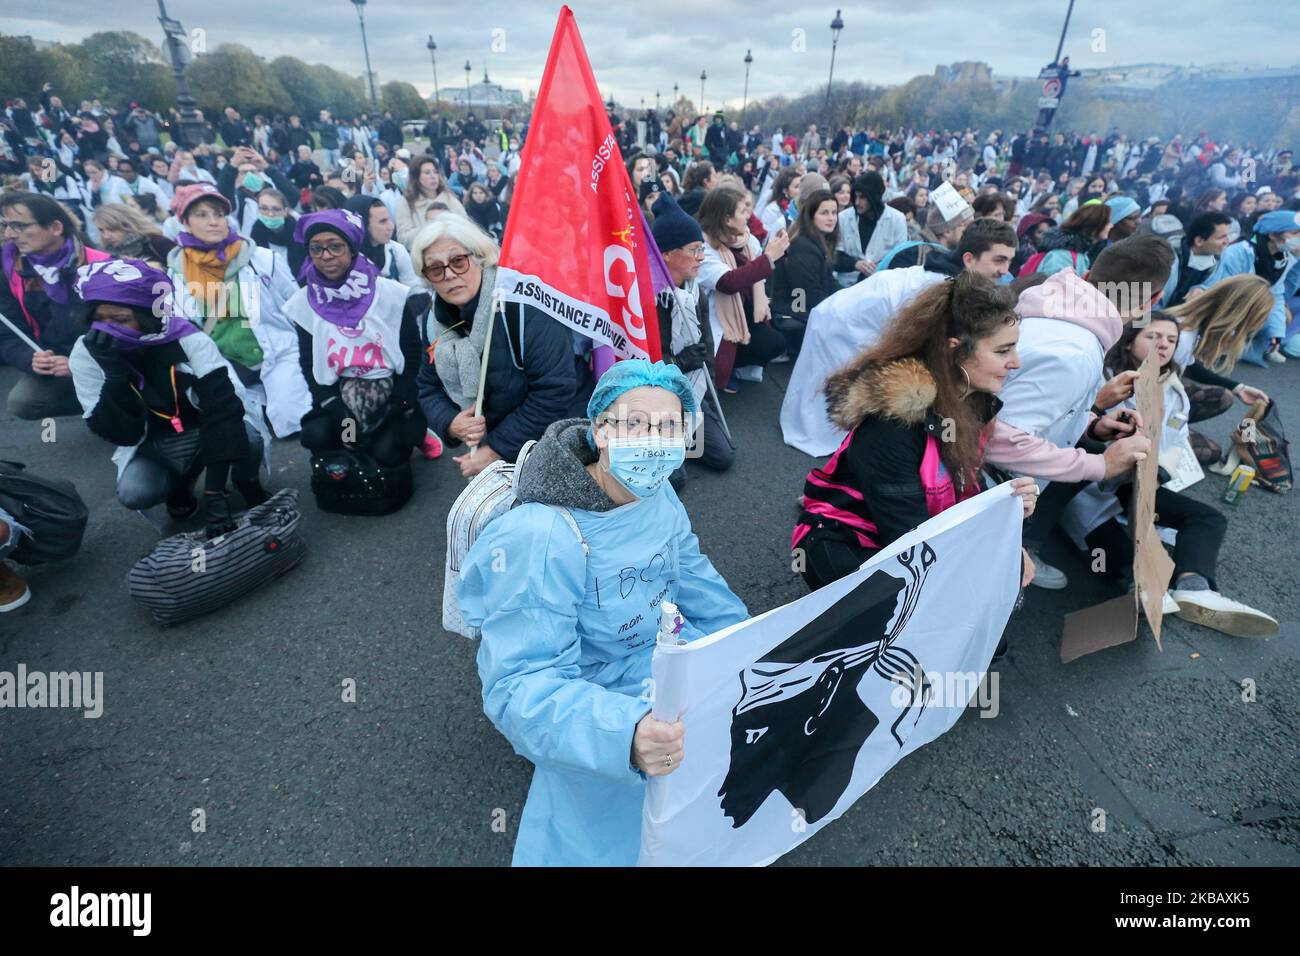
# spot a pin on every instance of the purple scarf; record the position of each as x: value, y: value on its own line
x: 174, y: 328
x: 136, y: 284
x: 346, y: 301
x: 191, y: 241
x: 47, y: 267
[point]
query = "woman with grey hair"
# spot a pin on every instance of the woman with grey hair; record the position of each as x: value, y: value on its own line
x: 530, y: 369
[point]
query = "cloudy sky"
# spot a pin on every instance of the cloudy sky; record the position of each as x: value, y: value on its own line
x: 637, y: 49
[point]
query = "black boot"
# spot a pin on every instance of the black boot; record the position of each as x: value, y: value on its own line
x: 181, y: 503
x: 252, y: 492
x: 219, y: 518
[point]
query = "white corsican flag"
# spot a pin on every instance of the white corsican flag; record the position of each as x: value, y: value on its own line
x: 793, y: 715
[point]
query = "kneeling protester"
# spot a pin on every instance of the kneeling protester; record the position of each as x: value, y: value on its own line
x: 359, y: 348
x: 156, y: 386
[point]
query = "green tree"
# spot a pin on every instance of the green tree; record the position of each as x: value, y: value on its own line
x: 124, y: 66
x: 302, y: 85
x: 341, y: 94
x: 404, y: 100
x: 233, y: 75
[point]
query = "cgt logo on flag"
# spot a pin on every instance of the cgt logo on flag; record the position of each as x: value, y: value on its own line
x: 798, y: 712
x: 576, y: 246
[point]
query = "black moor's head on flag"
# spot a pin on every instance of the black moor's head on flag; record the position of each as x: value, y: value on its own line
x: 800, y: 720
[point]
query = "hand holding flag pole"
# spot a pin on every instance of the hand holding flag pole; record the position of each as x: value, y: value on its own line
x: 483, y: 367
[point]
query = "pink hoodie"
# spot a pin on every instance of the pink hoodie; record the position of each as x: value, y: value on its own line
x: 1068, y: 298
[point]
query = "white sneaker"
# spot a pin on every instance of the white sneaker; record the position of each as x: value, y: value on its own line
x: 1046, y: 576
x: 1212, y: 609
x: 1276, y: 357
x: 1169, y: 605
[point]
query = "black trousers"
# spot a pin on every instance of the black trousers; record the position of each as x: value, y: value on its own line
x: 1051, y: 504
x: 1200, y: 527
x: 828, y: 555
x: 389, y: 445
x: 765, y: 343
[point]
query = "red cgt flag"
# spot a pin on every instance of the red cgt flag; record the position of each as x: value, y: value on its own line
x: 575, y: 245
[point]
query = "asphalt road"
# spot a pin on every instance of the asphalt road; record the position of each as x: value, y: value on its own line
x: 240, y: 714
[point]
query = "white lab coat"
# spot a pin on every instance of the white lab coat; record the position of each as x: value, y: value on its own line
x: 711, y: 270
x: 890, y: 231
x: 839, y: 329
x: 264, y: 286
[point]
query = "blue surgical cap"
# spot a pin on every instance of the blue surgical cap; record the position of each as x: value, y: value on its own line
x: 1278, y: 220
x: 1121, y: 207
x: 638, y: 373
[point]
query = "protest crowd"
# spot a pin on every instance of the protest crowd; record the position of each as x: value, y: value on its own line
x: 956, y: 308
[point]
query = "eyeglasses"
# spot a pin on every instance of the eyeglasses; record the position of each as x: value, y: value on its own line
x: 331, y: 251
x: 639, y: 425
x: 271, y: 210
x: 15, y: 225
x: 695, y: 251
x: 458, y: 265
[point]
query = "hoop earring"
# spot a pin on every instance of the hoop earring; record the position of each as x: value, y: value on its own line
x: 966, y: 375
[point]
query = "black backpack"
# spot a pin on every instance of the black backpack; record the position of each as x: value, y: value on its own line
x: 50, y: 509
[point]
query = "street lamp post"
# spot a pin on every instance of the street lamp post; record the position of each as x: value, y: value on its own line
x: 190, y: 133
x: 656, y: 101
x: 836, y: 26
x: 433, y: 56
x: 370, y: 76
x: 749, y: 59
x: 703, y: 76
x: 675, y: 97
x: 469, y: 101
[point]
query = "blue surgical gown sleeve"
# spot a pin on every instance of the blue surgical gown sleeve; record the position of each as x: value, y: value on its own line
x: 523, y: 583
x: 703, y: 596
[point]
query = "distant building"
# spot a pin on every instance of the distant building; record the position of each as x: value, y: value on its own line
x: 969, y: 71
x: 482, y: 95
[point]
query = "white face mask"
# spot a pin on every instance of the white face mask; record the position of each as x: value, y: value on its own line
x: 1200, y: 262
x: 1293, y: 245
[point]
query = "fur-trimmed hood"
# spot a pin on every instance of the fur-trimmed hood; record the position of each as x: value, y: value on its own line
x: 903, y: 390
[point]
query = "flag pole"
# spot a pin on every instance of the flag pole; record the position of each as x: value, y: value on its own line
x: 22, y: 335
x: 709, y: 380
x: 483, y: 367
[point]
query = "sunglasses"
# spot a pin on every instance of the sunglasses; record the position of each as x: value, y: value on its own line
x: 458, y: 265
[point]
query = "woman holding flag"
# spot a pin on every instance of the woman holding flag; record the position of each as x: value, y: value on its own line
x: 527, y: 380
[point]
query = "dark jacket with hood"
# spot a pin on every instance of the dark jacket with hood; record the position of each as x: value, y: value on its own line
x: 889, y: 412
x: 945, y: 261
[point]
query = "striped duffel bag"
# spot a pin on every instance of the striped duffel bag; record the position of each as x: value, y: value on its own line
x: 191, y: 574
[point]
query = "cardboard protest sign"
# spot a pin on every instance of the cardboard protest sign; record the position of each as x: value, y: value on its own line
x: 1114, y: 622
